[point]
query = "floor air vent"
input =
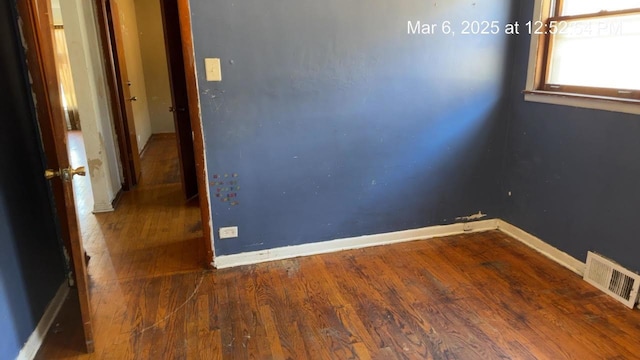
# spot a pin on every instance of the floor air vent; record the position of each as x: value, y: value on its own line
x: 612, y: 278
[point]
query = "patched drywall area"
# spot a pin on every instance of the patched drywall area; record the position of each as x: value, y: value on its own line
x: 479, y: 215
x: 93, y: 107
x: 342, y: 124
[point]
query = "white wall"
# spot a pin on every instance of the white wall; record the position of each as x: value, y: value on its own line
x: 56, y: 12
x: 135, y: 70
x: 93, y: 103
x: 154, y: 62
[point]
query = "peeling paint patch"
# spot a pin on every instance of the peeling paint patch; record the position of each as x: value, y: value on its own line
x: 94, y: 166
x: 477, y: 216
x: 67, y: 265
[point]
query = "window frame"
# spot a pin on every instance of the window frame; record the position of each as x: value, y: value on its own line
x: 537, y: 90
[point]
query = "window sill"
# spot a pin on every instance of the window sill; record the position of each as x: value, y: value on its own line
x: 628, y: 106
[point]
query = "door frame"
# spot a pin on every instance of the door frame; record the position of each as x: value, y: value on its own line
x: 188, y: 55
x: 124, y: 124
x: 38, y: 40
x: 37, y: 35
x: 179, y: 97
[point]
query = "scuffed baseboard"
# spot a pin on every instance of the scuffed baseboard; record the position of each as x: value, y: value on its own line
x: 287, y: 252
x: 254, y: 257
x: 36, y: 338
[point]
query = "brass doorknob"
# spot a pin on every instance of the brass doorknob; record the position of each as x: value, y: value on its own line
x: 65, y: 174
x: 50, y: 174
x: 78, y: 171
x: 133, y: 98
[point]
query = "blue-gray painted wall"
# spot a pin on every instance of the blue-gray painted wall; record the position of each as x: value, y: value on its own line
x: 31, y: 264
x: 334, y: 122
x: 574, y: 173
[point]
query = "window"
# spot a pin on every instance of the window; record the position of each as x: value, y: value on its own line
x: 586, y: 52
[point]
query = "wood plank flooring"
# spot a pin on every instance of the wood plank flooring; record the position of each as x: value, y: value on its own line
x: 153, y: 231
x: 472, y: 296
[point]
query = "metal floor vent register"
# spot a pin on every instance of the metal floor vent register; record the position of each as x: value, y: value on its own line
x: 612, y: 278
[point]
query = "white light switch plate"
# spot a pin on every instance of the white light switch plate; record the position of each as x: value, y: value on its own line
x: 212, y: 69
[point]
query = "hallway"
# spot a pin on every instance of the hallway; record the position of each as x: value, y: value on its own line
x: 152, y: 232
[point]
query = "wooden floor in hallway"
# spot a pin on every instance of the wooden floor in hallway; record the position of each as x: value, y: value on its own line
x: 471, y: 296
x: 154, y: 230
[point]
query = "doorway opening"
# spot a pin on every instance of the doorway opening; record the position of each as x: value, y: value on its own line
x: 155, y: 226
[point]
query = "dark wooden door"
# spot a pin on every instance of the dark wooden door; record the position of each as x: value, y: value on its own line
x: 180, y: 108
x: 117, y: 76
x: 38, y: 36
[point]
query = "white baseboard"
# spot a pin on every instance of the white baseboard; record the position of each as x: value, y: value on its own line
x: 31, y: 347
x: 542, y: 247
x: 102, y: 208
x: 287, y: 252
x: 254, y: 257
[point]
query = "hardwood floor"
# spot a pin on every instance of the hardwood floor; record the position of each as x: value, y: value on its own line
x: 153, y: 231
x: 472, y: 296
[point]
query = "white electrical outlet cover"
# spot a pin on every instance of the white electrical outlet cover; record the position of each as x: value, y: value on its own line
x: 228, y: 232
